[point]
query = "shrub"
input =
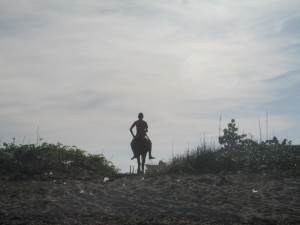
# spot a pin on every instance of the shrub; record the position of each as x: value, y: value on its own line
x: 239, y: 153
x: 231, y: 139
x: 57, y: 160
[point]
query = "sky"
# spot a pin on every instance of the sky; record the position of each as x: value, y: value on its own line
x: 79, y: 72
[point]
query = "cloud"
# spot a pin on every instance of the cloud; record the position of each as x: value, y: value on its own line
x: 82, y: 71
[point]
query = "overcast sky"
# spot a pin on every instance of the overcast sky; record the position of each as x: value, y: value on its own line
x: 79, y: 72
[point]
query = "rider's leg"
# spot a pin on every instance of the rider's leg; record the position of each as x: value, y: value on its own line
x: 150, y: 149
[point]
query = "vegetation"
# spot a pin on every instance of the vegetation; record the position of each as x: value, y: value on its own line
x: 239, y: 153
x: 49, y: 160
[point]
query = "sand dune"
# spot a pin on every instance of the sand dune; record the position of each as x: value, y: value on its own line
x: 165, y: 199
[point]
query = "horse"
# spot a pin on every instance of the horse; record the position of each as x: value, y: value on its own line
x: 140, y: 147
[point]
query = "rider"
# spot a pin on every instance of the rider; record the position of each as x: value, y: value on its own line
x: 141, y: 133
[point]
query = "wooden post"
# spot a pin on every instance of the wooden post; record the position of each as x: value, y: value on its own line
x: 131, y: 169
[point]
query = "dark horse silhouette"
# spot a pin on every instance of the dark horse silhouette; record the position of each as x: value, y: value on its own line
x: 141, y: 146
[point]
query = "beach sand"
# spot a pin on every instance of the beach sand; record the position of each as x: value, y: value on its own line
x: 164, y: 199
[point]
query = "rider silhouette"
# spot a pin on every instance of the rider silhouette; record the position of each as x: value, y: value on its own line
x: 141, y: 133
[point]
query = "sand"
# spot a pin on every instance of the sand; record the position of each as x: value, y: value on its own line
x: 164, y: 199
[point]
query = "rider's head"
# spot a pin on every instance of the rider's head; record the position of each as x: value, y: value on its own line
x: 141, y: 116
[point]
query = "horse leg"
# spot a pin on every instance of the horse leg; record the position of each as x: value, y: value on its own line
x: 139, y: 164
x: 143, y: 163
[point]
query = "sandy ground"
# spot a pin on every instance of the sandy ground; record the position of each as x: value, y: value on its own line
x: 165, y: 199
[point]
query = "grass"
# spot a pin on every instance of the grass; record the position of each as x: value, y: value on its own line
x: 239, y: 153
x: 51, y: 160
x: 279, y: 159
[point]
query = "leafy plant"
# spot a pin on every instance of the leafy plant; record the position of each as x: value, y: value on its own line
x: 26, y: 161
x: 240, y: 153
x: 231, y: 139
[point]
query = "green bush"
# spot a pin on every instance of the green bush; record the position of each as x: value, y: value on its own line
x: 51, y: 160
x: 239, y: 153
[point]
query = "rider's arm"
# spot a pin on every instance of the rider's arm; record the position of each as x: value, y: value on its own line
x: 132, y: 126
x: 146, y: 128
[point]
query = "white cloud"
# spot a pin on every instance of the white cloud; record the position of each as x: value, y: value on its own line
x: 85, y: 70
